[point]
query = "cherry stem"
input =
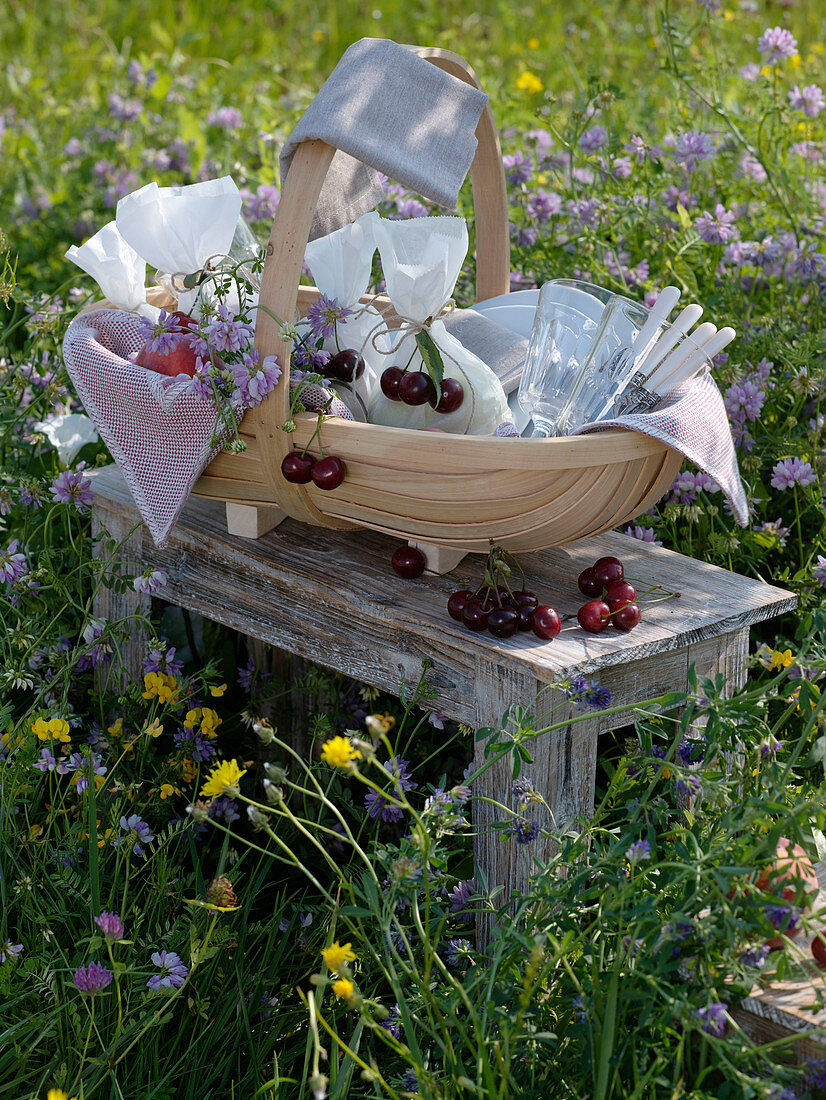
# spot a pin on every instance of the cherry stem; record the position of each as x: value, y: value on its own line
x: 652, y: 587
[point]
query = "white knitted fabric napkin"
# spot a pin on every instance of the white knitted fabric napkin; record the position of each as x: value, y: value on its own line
x: 159, y: 433
x: 386, y: 109
x: 693, y: 421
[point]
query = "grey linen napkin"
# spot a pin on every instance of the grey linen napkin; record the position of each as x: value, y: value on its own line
x: 503, y: 350
x: 386, y: 109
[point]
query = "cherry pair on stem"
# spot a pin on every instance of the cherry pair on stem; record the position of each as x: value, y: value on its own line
x: 301, y: 468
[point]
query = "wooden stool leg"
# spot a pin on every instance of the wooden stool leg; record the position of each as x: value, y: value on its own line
x: 126, y: 607
x: 251, y: 521
x: 563, y: 771
x: 440, y: 559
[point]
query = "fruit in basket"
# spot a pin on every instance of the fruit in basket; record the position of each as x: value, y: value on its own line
x: 328, y: 473
x: 408, y: 562
x: 451, y: 396
x: 345, y: 366
x: 545, y: 622
x: 417, y: 388
x: 172, y: 360
x: 297, y: 468
x: 594, y: 616
x: 389, y: 383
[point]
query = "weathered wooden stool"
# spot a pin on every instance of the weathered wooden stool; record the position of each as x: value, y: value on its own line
x: 333, y: 598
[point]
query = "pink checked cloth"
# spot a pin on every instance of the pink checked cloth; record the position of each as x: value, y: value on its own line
x: 159, y: 433
x: 693, y: 421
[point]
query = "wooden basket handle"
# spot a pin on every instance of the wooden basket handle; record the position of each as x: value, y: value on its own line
x: 285, y: 256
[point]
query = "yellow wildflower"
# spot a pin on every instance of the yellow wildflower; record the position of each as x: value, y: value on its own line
x: 116, y: 728
x: 217, y: 692
x: 318, y: 36
x: 223, y: 779
x: 339, y: 753
x: 781, y: 659
x: 193, y: 717
x: 160, y: 685
x: 795, y: 61
x: 154, y: 729
x: 338, y: 954
x: 209, y: 721
x: 188, y: 770
x: 532, y: 43
x: 379, y: 723
x: 529, y: 83
x: 56, y: 729
x: 166, y: 790
x: 58, y: 1094
x: 344, y: 988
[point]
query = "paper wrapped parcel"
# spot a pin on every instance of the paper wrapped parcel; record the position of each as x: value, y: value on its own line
x: 386, y: 109
x: 117, y: 269
x: 177, y: 229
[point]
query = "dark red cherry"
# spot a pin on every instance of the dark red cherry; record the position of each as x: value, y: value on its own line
x: 389, y: 383
x: 524, y: 598
x: 503, y: 621
x: 526, y: 611
x: 328, y: 473
x: 627, y: 617
x: 451, y: 396
x: 475, y: 617
x: 619, y: 592
x: 588, y: 584
x: 607, y: 570
x: 545, y: 622
x: 297, y: 467
x: 416, y: 388
x: 457, y: 601
x: 593, y: 616
x: 345, y: 365
x: 408, y: 562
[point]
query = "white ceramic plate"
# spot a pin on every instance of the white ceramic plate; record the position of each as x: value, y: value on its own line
x: 517, y: 297
x: 517, y: 318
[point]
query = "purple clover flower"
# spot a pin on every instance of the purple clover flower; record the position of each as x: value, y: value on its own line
x: 785, y: 918
x: 755, y: 956
x: 158, y: 660
x: 161, y: 336
x: 392, y: 1023
x: 776, y: 44
x: 769, y: 748
x: 819, y: 570
x: 593, y: 139
x: 690, y: 752
x: 228, y: 333
x: 461, y: 894
x: 716, y: 228
x: 13, y: 564
x: 775, y: 529
x: 324, y: 314
x: 810, y: 100
x: 790, y: 472
x: 92, y: 978
x: 253, y: 381
x: 640, y: 150
x: 172, y: 970
x: 84, y: 767
x: 692, y: 148
x: 644, y: 534
x: 124, y: 110
x: 713, y: 1018
x: 224, y: 809
x: 687, y: 785
x: 587, y: 694
x: 815, y: 1076
x: 750, y: 72
x: 377, y: 804
x: 137, y: 832
x: 111, y: 926
x: 9, y: 950
x: 638, y: 851
x: 260, y: 206
x: 543, y: 204
x: 48, y: 763
x: 150, y: 581
x: 71, y: 487
x: 518, y: 168
x: 226, y: 118
x: 457, y: 952
x: 523, y: 830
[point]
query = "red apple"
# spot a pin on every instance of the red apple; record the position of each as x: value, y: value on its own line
x: 179, y: 361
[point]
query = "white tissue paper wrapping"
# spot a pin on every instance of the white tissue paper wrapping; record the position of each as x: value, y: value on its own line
x: 117, y: 269
x: 68, y: 434
x: 177, y: 229
x: 421, y: 259
x: 341, y: 265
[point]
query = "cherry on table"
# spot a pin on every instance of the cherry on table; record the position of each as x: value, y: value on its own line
x: 588, y: 584
x: 328, y: 473
x: 451, y: 396
x: 408, y: 562
x: 457, y: 602
x: 417, y: 388
x: 503, y: 621
x: 819, y: 950
x: 626, y: 617
x: 475, y: 617
x: 619, y: 592
x: 389, y: 383
x: 296, y: 467
x: 525, y: 598
x: 345, y: 365
x: 545, y: 622
x: 593, y: 616
x: 608, y: 569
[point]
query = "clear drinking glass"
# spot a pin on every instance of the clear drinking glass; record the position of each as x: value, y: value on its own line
x: 567, y: 319
x: 580, y: 350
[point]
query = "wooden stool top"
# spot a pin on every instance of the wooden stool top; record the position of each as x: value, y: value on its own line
x: 333, y: 597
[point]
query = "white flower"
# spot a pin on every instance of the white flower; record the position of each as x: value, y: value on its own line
x: 68, y: 434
